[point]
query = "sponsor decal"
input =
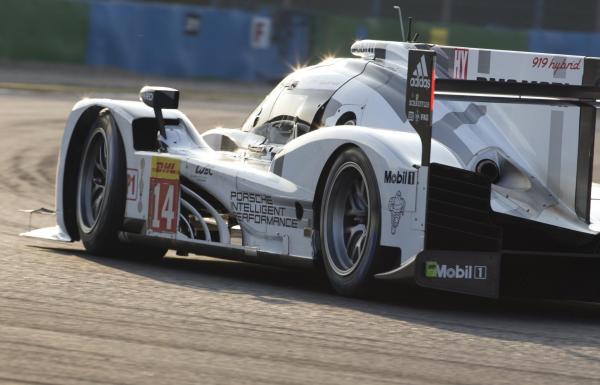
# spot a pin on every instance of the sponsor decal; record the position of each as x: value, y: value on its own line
x: 415, y: 117
x: 163, y: 205
x: 468, y: 272
x: 420, y: 76
x: 165, y: 168
x: 396, y: 206
x: 443, y: 271
x: 399, y: 177
x: 364, y: 49
x: 461, y: 63
x: 132, y: 184
x: 556, y: 63
x: 259, y: 209
x: 419, y: 90
x: 202, y: 173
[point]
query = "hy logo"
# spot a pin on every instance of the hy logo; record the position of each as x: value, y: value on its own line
x: 420, y: 77
x: 435, y: 270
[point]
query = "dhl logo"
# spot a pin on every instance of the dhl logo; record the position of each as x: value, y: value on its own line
x: 165, y: 168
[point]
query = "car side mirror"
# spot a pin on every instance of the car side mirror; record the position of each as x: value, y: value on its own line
x: 160, y: 98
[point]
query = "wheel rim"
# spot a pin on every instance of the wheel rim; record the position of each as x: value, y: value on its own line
x: 347, y: 214
x: 92, y: 182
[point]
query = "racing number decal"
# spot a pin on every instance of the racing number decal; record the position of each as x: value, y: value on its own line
x: 164, y: 204
x: 163, y: 207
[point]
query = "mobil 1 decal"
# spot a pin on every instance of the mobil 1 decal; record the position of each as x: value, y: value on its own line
x: 420, y: 86
x: 163, y: 205
x: 467, y: 272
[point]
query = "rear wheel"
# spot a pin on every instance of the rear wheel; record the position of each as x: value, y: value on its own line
x: 350, y: 223
x: 101, y: 192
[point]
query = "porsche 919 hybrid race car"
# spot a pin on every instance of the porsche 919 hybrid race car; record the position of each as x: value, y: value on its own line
x: 460, y: 169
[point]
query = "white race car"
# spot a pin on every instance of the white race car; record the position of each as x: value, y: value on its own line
x: 352, y: 165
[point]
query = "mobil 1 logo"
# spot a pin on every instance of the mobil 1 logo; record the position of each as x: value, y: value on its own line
x: 419, y: 88
x: 399, y: 177
x: 467, y: 272
x: 443, y: 271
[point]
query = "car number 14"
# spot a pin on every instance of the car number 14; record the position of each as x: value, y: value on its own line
x: 164, y: 205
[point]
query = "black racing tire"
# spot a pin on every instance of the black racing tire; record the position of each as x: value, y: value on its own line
x: 350, y: 223
x: 101, y: 193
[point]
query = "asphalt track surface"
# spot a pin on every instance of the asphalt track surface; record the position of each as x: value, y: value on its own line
x: 67, y: 317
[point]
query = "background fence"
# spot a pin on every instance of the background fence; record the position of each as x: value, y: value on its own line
x: 227, y: 43
x: 194, y: 41
x: 44, y: 30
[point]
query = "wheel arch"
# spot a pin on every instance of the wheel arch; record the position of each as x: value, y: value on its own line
x: 71, y: 168
x: 73, y: 154
x: 123, y: 114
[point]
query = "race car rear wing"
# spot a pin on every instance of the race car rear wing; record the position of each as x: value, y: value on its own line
x: 513, y: 90
x: 554, y: 92
x: 585, y: 97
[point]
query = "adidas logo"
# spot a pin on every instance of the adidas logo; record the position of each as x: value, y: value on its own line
x: 420, y: 77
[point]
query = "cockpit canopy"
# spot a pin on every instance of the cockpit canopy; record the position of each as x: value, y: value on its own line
x: 281, y: 130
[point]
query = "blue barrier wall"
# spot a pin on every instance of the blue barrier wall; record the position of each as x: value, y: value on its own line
x: 569, y: 43
x: 152, y: 39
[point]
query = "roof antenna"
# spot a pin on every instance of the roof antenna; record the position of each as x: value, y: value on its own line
x: 409, y: 28
x: 401, y: 21
x: 413, y: 38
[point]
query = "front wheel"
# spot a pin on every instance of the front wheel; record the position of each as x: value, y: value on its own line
x: 101, y: 192
x: 350, y: 222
